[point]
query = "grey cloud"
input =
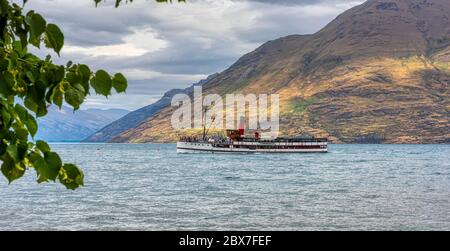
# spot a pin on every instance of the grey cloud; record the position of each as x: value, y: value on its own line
x: 294, y: 2
x: 85, y: 25
x: 202, y: 37
x: 158, y: 85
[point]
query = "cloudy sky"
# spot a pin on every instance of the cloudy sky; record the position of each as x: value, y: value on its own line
x: 159, y: 47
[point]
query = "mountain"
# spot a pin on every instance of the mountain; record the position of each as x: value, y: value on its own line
x: 135, y: 118
x: 379, y: 72
x: 110, y: 114
x: 67, y: 125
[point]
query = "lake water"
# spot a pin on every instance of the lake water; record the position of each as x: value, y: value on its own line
x: 150, y: 187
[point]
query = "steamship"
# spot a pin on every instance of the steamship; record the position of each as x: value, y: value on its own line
x: 236, y: 142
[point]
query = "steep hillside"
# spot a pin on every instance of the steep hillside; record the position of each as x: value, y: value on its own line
x: 135, y: 118
x: 379, y: 72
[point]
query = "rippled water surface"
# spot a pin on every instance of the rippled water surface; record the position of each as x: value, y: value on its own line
x: 150, y: 187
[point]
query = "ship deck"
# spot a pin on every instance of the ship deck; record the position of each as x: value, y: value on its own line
x: 255, y: 145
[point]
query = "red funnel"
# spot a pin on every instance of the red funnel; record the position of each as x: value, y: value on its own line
x: 241, y: 126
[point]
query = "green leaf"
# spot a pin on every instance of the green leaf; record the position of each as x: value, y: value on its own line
x: 19, y: 49
x: 72, y: 78
x: 22, y: 149
x: 119, y: 83
x: 71, y: 176
x: 11, y: 150
x: 54, y: 38
x: 42, y: 109
x: 6, y: 116
x: 54, y: 164
x: 85, y: 75
x: 58, y: 74
x: 30, y: 76
x: 74, y: 97
x: 85, y: 72
x: 21, y: 112
x: 35, y: 96
x: 3, y: 145
x: 30, y: 104
x: 57, y: 96
x: 37, y: 27
x: 7, y: 83
x: 31, y: 125
x: 40, y: 166
x: 11, y: 170
x: 23, y: 37
x: 43, y: 146
x: 4, y: 63
x: 102, y: 83
x: 21, y: 133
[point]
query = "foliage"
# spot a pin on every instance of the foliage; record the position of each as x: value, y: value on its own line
x: 29, y: 85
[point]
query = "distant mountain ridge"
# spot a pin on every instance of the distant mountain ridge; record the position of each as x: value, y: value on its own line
x: 65, y: 125
x: 137, y: 117
x: 379, y: 72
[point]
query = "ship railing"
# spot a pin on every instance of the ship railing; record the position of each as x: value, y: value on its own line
x: 289, y: 140
x: 278, y: 140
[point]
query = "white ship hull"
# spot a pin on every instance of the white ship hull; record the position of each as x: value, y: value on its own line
x: 253, y: 147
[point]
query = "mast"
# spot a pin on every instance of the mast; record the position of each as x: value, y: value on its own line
x: 213, y: 118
